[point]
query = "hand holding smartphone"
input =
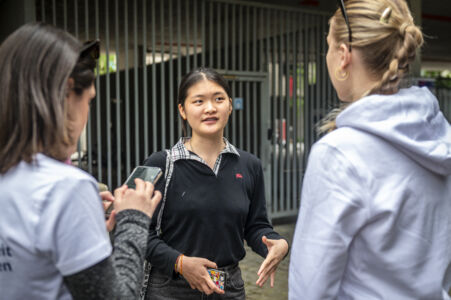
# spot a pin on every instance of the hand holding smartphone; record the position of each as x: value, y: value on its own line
x: 151, y: 174
x: 218, y: 277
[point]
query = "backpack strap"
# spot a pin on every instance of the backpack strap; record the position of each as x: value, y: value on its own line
x: 167, y: 175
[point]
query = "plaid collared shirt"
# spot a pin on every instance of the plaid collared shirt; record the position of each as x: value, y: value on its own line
x: 179, y: 151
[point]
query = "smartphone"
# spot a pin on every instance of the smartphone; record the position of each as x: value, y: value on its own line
x: 218, y: 277
x: 151, y: 174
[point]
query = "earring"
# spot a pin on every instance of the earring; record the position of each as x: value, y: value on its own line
x: 341, y: 76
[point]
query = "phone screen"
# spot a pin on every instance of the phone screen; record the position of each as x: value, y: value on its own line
x: 151, y: 174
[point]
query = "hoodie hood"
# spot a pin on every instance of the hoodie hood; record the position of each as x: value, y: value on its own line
x: 411, y: 120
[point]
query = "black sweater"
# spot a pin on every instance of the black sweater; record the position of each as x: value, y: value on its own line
x: 209, y: 216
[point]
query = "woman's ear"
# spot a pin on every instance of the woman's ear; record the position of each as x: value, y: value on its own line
x: 231, y: 105
x: 345, y: 56
x: 182, y: 112
x: 69, y: 87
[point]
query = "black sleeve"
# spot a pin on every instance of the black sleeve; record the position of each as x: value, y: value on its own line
x: 257, y: 223
x: 120, y: 275
x: 159, y: 254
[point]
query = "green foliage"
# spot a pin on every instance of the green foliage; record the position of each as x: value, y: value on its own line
x: 102, y: 64
x: 442, y: 78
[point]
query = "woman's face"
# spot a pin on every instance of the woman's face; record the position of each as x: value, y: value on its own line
x: 207, y: 108
x: 78, y: 112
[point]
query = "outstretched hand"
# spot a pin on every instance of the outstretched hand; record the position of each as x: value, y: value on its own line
x: 277, y: 249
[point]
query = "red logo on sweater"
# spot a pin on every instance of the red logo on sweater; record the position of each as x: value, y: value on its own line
x: 238, y: 175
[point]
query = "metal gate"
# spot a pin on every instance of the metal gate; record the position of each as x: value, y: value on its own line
x: 273, y: 56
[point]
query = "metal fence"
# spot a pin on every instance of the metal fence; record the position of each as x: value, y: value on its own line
x: 274, y: 58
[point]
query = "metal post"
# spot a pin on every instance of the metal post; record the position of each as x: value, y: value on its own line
x: 144, y: 81
x: 162, y: 76
x: 118, y: 99
x: 127, y: 93
x: 98, y: 103
x: 108, y: 99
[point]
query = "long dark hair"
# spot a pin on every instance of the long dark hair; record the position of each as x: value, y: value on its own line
x: 36, y: 61
x: 193, y: 77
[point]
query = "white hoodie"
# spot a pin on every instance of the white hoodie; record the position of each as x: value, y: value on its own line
x: 375, y: 216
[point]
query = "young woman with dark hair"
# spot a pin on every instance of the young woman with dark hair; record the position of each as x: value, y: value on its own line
x: 214, y: 200
x: 53, y: 239
x: 374, y: 220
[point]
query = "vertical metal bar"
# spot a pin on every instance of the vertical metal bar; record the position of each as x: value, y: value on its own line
x: 263, y: 62
x: 300, y: 26
x: 270, y: 182
x: 179, y: 52
x: 43, y: 11
x: 162, y: 79
x: 65, y: 14
x: 98, y: 104
x: 254, y: 46
x: 254, y: 85
x: 287, y: 109
x: 256, y: 107
x: 234, y: 44
x: 188, y: 50
x: 218, y: 35
x: 282, y: 124
x: 195, y: 32
x: 275, y: 121
x: 226, y: 37
x: 54, y: 12
x: 265, y: 121
x: 144, y: 74
x: 324, y: 82
x: 88, y: 125
x: 108, y: 97
x: 240, y: 115
x: 240, y: 83
x: 127, y: 92
x: 318, y: 83
x: 155, y: 131
x: 294, y: 163
x: 248, y: 40
x: 75, y: 18
x: 135, y: 80
x: 76, y: 35
x: 171, y: 81
x: 248, y: 108
x: 118, y: 99
x: 306, y: 88
x: 203, y: 34
x: 211, y: 51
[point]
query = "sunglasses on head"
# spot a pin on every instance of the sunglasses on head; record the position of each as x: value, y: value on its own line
x: 345, y: 16
x: 91, y: 48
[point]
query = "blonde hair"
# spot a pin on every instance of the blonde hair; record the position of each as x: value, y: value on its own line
x: 387, y: 38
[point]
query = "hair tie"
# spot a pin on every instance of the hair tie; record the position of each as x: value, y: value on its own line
x: 403, y: 28
x: 385, y: 16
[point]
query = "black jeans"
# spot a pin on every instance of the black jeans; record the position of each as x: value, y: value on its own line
x: 162, y: 287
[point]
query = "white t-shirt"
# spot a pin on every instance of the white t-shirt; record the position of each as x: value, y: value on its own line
x: 51, y: 225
